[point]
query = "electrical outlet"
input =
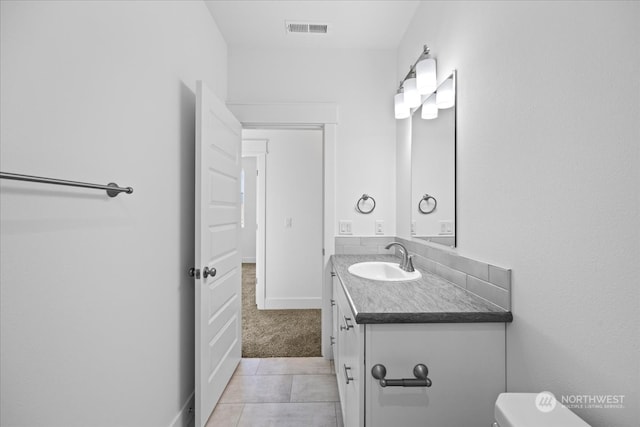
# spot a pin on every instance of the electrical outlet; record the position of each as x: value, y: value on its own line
x: 379, y: 226
x: 345, y: 227
x: 288, y: 222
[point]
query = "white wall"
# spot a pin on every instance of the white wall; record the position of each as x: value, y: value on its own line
x: 549, y: 181
x: 294, y: 262
x: 97, y: 309
x: 250, y: 205
x: 359, y: 81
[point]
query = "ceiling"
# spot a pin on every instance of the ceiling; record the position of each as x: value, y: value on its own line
x: 364, y: 24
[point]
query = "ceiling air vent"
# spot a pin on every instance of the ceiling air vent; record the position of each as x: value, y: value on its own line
x: 306, y: 28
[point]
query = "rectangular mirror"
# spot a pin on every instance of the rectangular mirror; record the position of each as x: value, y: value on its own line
x: 433, y: 166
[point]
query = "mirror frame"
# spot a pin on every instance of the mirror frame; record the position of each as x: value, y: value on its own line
x: 454, y: 76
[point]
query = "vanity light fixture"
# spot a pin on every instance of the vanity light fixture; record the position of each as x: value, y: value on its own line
x: 429, y: 108
x: 419, y: 81
x: 426, y: 75
x: 445, y: 97
x: 411, y: 94
x: 402, y: 111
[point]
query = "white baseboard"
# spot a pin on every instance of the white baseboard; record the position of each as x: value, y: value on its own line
x: 249, y: 260
x: 185, y: 417
x: 292, y: 303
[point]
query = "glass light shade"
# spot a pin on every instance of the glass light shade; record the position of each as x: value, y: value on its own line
x: 429, y: 108
x: 401, y: 109
x: 446, y: 97
x: 411, y: 95
x: 426, y: 76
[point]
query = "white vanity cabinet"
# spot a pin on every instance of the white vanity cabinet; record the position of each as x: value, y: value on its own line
x: 348, y: 359
x: 466, y: 364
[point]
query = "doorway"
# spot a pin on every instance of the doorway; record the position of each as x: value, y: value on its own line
x: 282, y: 241
x: 323, y: 116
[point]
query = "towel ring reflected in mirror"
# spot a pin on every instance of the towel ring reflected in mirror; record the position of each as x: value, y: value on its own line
x: 362, y: 199
x: 426, y: 199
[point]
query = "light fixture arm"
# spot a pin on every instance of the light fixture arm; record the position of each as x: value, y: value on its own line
x: 412, y: 69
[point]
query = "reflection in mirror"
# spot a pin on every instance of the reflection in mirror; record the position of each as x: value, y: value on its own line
x: 433, y: 166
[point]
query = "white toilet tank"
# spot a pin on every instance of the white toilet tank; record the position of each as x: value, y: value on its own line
x: 533, y: 410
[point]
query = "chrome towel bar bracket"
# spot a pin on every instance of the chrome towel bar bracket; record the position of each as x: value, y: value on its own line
x: 112, y: 188
x: 364, y: 198
x: 420, y: 372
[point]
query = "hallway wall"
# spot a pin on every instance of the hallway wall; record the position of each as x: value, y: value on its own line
x: 96, y: 306
x: 294, y: 219
x: 249, y: 165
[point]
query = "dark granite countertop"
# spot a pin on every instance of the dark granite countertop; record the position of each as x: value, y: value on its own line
x: 431, y: 299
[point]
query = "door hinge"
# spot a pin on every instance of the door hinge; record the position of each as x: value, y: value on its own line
x: 194, y: 272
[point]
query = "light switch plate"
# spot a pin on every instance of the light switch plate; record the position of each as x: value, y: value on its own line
x: 446, y: 227
x: 345, y: 227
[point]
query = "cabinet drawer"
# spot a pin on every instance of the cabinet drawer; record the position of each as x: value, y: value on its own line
x: 466, y: 366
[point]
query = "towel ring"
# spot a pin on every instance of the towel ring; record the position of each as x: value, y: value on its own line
x: 364, y: 198
x: 426, y: 198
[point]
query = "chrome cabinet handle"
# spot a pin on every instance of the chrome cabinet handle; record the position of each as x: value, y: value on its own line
x: 347, y: 325
x: 346, y: 373
x: 208, y: 272
x: 420, y: 372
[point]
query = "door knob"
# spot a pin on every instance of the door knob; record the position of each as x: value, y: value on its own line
x: 208, y: 272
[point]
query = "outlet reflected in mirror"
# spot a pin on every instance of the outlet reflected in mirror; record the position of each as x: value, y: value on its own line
x: 433, y: 166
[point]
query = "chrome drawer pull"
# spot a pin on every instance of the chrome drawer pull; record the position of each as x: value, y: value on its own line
x: 346, y: 373
x: 346, y: 323
x: 420, y: 372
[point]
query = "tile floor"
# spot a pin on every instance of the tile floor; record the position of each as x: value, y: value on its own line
x: 283, y: 392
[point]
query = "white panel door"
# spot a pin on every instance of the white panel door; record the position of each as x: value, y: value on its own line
x: 218, y: 293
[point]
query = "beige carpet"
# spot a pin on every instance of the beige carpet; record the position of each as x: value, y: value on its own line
x: 276, y: 333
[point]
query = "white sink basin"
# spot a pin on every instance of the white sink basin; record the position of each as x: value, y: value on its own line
x: 386, y: 271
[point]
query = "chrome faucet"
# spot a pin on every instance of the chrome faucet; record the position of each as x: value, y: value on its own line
x: 407, y: 260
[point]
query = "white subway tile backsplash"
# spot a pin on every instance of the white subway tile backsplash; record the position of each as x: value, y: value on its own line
x: 425, y: 263
x: 376, y: 241
x: 500, y: 277
x: 357, y: 250
x: 344, y: 241
x: 494, y: 294
x: 454, y: 276
x: 470, y: 266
